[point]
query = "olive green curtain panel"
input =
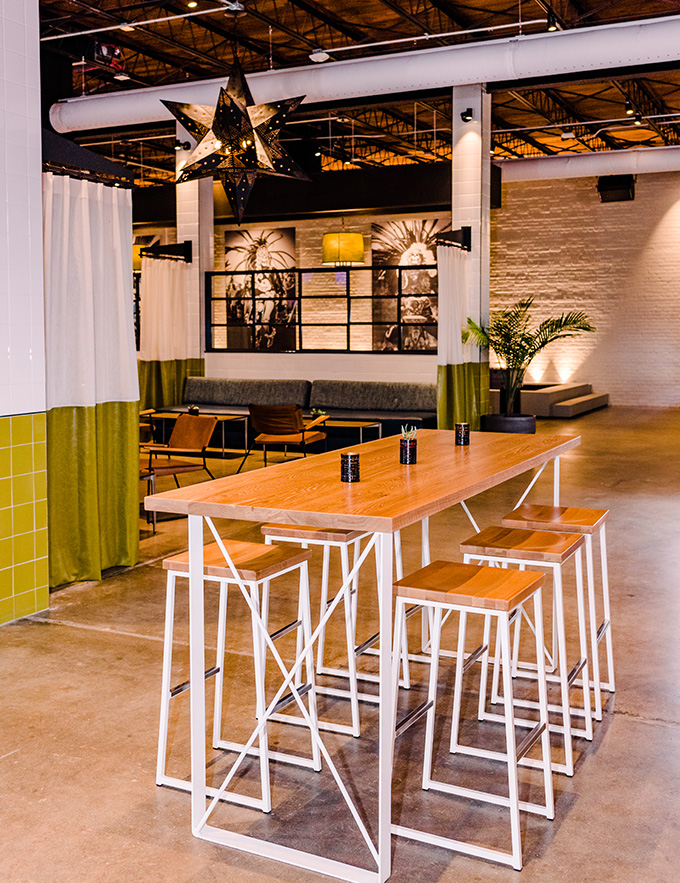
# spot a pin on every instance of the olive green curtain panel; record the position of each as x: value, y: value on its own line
x: 92, y: 385
x: 462, y: 373
x: 162, y: 383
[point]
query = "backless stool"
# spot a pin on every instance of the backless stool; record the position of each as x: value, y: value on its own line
x: 256, y: 564
x: 550, y: 551
x: 329, y: 538
x: 574, y: 519
x: 493, y: 593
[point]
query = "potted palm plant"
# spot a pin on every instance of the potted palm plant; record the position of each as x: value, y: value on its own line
x: 515, y: 344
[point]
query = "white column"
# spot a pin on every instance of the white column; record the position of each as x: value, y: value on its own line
x: 195, y: 221
x: 471, y: 187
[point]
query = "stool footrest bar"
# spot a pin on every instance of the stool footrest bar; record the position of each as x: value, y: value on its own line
x: 413, y: 715
x: 576, y: 671
x: 602, y: 630
x: 474, y: 656
x: 290, y: 697
x: 284, y: 630
x: 184, y: 686
x: 412, y: 610
x: 529, y: 741
x: 362, y: 648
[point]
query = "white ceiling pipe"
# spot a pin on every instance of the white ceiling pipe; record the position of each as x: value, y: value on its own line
x: 635, y: 161
x: 539, y: 55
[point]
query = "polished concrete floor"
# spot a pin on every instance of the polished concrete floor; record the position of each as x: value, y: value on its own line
x: 79, y: 717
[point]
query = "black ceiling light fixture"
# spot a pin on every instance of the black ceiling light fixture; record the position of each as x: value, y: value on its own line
x: 638, y: 119
x: 629, y: 108
x: 466, y: 115
x: 552, y: 21
x: 182, y: 145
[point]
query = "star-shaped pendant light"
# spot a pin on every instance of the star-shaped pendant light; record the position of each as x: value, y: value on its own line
x: 237, y: 140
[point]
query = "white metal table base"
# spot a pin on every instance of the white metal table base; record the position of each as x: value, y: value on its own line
x: 199, y: 794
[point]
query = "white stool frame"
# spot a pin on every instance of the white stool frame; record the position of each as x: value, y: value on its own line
x: 514, y: 752
x: 565, y: 680
x: 303, y: 624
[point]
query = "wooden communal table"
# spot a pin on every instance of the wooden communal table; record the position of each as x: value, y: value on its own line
x: 388, y: 497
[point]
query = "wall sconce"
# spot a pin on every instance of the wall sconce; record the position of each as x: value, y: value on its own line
x: 342, y: 249
x: 182, y: 145
x: 466, y: 115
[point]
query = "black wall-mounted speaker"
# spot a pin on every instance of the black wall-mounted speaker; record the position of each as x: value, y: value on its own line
x: 616, y: 188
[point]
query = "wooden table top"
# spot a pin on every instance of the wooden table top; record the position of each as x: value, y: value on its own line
x: 388, y: 497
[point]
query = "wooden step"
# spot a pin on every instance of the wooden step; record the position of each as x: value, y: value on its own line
x: 580, y: 405
x: 541, y: 401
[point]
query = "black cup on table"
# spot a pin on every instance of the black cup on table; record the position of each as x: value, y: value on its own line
x: 349, y: 467
x: 462, y: 433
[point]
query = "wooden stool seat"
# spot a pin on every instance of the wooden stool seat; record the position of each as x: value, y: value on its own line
x: 307, y: 532
x: 569, y: 519
x: 467, y: 585
x: 253, y: 561
x: 532, y: 545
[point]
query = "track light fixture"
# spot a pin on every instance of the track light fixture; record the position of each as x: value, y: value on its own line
x: 319, y: 55
x: 182, y: 145
x: 638, y: 119
x: 552, y: 21
x: 466, y: 115
x: 629, y: 108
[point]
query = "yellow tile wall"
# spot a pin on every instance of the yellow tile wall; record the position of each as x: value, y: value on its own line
x: 23, y: 516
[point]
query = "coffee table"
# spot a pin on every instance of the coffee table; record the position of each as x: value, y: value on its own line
x: 389, y: 497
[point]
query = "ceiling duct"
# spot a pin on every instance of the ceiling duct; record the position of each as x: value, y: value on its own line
x: 627, y: 44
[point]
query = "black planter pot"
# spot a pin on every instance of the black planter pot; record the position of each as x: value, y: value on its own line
x: 524, y: 423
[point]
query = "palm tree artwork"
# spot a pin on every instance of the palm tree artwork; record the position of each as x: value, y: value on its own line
x: 515, y: 344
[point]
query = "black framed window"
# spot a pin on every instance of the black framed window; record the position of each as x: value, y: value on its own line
x: 326, y: 309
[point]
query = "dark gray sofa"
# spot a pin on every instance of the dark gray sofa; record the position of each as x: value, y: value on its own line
x: 392, y: 404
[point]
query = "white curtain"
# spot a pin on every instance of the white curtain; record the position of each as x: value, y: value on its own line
x: 90, y: 341
x: 163, y: 310
x: 452, y: 266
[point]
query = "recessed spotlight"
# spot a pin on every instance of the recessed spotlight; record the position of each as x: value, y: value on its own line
x: 466, y: 115
x: 319, y: 55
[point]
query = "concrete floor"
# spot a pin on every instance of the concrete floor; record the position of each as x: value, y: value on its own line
x: 79, y: 717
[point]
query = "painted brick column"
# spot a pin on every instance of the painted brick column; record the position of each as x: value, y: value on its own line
x: 471, y: 187
x: 23, y: 486
x: 195, y: 221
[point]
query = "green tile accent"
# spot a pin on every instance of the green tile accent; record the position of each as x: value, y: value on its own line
x: 24, y: 564
x: 6, y: 552
x: 22, y: 459
x: 41, y: 543
x: 7, y: 609
x: 40, y: 485
x: 39, y: 427
x: 5, y: 523
x: 6, y: 583
x: 40, y: 514
x: 22, y: 430
x: 42, y: 597
x: 40, y: 456
x: 25, y: 604
x: 42, y: 574
x: 23, y: 518
x: 23, y: 489
x: 23, y: 548
x: 24, y: 577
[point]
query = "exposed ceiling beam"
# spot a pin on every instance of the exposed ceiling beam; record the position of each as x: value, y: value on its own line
x: 648, y: 104
x: 510, y: 138
x: 322, y: 13
x: 556, y: 110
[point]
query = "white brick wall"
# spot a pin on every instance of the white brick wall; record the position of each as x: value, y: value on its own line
x: 620, y: 262
x: 22, y: 345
